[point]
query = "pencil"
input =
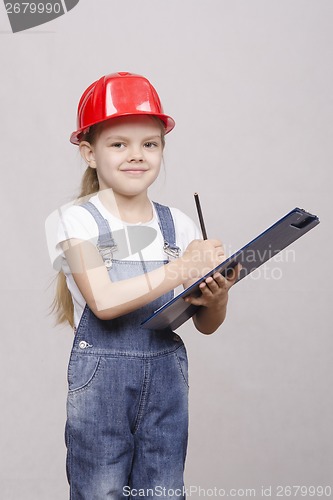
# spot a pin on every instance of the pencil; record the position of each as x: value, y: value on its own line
x: 202, y: 224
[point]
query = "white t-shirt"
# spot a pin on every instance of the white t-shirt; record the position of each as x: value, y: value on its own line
x: 77, y: 222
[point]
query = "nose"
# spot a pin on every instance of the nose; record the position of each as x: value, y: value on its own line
x: 135, y: 154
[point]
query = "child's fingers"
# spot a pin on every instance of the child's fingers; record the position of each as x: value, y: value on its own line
x: 215, y: 243
x: 215, y: 283
x: 225, y: 281
x: 220, y: 280
x: 196, y: 301
x: 208, y: 287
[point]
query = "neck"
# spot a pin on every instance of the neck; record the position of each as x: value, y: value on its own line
x: 132, y: 209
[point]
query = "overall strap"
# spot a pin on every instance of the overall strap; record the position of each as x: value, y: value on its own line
x: 168, y: 230
x: 105, y: 244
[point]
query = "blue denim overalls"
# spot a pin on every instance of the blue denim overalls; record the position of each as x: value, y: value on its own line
x: 127, y: 406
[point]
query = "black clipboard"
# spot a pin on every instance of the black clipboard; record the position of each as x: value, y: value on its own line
x: 258, y: 251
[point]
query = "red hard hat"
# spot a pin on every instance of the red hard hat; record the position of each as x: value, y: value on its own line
x: 118, y: 94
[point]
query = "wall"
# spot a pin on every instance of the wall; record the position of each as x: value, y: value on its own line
x: 249, y: 84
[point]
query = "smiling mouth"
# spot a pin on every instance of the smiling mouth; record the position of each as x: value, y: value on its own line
x: 134, y: 170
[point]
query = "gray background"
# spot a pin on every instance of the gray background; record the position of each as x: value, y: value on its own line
x: 249, y: 83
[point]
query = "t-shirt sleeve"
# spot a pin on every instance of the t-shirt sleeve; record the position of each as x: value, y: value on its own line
x: 186, y: 230
x: 63, y: 224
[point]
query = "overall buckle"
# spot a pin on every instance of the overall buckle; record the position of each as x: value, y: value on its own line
x: 107, y: 255
x: 173, y: 252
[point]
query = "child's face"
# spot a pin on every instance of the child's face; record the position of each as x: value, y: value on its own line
x: 128, y: 154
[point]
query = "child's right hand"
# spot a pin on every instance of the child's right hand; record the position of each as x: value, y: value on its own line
x: 200, y: 257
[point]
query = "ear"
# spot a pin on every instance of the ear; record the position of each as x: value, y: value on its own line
x: 87, y: 153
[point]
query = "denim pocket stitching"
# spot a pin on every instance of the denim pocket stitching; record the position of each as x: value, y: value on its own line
x: 181, y: 370
x: 90, y: 380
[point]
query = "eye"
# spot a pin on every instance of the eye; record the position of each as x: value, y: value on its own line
x: 118, y: 145
x: 151, y: 145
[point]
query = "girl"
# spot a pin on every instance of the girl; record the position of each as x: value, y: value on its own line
x: 122, y: 257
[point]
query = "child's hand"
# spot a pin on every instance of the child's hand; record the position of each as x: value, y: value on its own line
x: 214, y: 290
x: 200, y: 257
x: 213, y: 298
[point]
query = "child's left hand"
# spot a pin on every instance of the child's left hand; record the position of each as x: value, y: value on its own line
x: 213, y: 298
x: 214, y: 290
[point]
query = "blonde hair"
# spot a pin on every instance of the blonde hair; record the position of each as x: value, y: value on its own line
x: 62, y: 305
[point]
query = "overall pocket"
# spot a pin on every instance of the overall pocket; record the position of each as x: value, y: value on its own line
x: 182, y: 361
x: 82, y: 371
